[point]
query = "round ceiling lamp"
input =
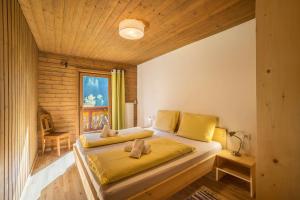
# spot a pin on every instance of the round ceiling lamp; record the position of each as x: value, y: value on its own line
x: 131, y: 29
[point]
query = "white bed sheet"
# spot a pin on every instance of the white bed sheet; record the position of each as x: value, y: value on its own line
x: 134, y: 184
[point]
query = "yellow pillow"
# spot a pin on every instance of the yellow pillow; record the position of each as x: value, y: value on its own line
x: 166, y: 120
x: 197, y: 127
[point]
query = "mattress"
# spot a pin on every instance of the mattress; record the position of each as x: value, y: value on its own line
x: 141, y: 181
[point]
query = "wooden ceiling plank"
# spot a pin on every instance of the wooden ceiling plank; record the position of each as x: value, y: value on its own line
x: 49, y: 26
x: 196, y: 12
x: 88, y: 7
x: 174, y: 25
x: 108, y: 8
x: 110, y: 44
x: 167, y: 23
x: 140, y: 10
x: 69, y: 9
x: 173, y: 22
x: 113, y: 30
x: 93, y: 25
x: 37, y: 10
x: 89, y: 28
x: 236, y: 14
x: 218, y: 23
x: 58, y: 7
x: 75, y: 24
x: 31, y: 20
x: 89, y: 12
x: 115, y: 15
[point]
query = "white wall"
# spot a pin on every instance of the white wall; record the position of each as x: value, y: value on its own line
x: 213, y: 76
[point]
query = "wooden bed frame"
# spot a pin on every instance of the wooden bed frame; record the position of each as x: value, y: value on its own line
x: 165, y: 188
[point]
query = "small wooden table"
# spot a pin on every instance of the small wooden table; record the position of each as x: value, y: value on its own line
x: 242, y: 167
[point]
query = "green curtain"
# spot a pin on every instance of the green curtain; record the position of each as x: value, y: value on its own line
x: 118, y: 99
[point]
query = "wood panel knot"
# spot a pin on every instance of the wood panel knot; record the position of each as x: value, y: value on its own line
x: 267, y: 104
x: 273, y: 126
x: 268, y: 71
x: 275, y: 160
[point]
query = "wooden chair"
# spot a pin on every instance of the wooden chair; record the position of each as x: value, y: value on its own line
x: 49, y: 133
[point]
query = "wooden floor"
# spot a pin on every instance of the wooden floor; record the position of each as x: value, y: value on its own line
x: 69, y: 186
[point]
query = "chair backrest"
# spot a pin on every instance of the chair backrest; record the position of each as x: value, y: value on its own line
x: 46, y: 123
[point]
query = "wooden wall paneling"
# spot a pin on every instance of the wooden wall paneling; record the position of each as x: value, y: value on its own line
x: 59, y: 87
x: 2, y: 92
x: 278, y: 99
x: 16, y: 135
x: 5, y: 59
x: 9, y: 93
x: 13, y: 87
x: 18, y: 117
x: 11, y: 100
x: 18, y: 100
x: 10, y: 104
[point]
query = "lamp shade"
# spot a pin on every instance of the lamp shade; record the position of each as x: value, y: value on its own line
x: 131, y: 29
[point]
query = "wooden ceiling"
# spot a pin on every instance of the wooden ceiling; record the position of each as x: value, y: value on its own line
x: 89, y: 28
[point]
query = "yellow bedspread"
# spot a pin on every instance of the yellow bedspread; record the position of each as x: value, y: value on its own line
x: 116, y: 164
x: 95, y: 140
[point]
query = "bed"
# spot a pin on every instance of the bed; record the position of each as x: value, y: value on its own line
x: 156, y: 183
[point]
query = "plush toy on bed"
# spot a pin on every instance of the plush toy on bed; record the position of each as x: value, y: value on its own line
x: 107, y: 132
x: 137, y: 148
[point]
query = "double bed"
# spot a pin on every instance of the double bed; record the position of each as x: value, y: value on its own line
x: 158, y: 182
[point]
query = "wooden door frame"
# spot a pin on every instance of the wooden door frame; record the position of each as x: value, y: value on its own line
x: 80, y: 101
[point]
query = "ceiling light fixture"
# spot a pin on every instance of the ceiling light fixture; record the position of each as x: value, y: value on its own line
x: 131, y: 29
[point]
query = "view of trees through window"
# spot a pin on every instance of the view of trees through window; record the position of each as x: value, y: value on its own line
x: 95, y: 101
x: 95, y: 91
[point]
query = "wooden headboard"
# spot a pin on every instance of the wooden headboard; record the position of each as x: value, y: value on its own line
x: 220, y: 135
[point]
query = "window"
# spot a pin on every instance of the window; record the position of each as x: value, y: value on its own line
x: 94, y: 101
x: 95, y: 91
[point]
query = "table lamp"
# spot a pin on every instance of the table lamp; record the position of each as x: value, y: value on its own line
x: 233, y: 134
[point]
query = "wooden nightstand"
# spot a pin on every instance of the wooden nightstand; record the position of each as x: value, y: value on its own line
x: 241, y: 167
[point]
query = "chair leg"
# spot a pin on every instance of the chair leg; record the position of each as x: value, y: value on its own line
x: 58, y: 146
x: 43, y: 146
x: 69, y: 143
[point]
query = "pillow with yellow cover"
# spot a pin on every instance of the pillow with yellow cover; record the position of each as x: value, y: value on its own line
x: 197, y: 127
x: 166, y: 120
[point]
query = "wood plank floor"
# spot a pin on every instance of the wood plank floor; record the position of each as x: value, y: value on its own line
x: 69, y: 186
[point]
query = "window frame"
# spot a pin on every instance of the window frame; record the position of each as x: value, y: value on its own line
x: 81, y: 107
